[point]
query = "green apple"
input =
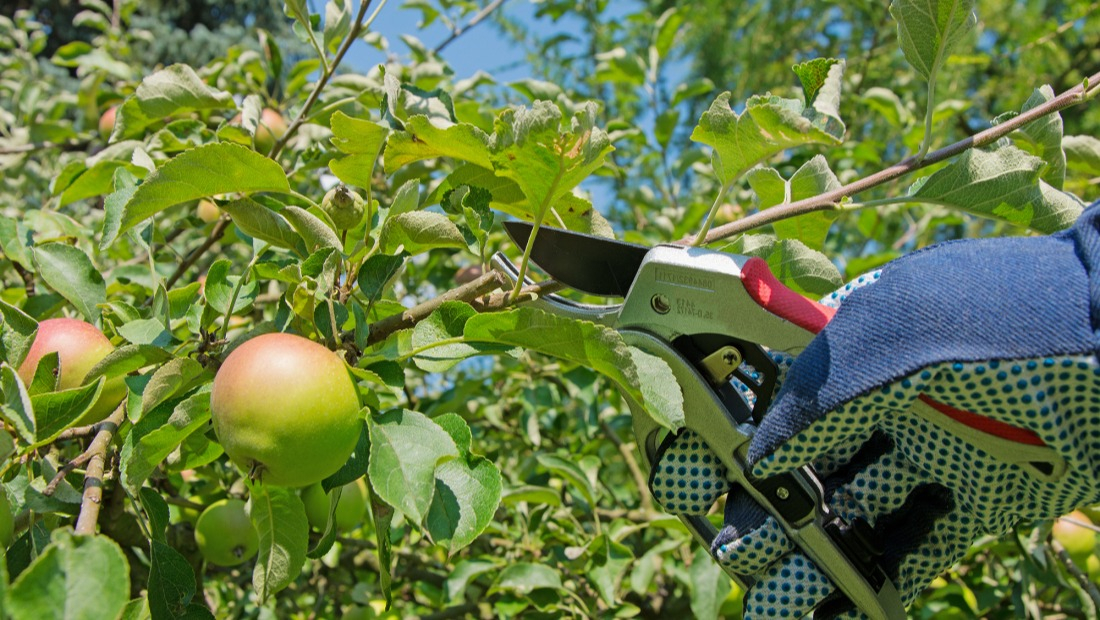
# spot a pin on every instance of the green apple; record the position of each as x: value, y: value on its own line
x: 345, y: 207
x: 7, y: 520
x: 350, y: 510
x: 225, y: 535
x: 285, y: 410
x: 107, y: 122
x: 79, y: 347
x: 207, y: 210
x: 1079, y: 541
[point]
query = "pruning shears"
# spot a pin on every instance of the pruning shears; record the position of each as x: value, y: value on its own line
x: 712, y: 317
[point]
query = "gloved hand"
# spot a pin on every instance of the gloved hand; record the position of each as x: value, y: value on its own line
x: 956, y: 395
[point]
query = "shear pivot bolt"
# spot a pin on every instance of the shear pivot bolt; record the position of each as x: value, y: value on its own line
x: 782, y: 493
x: 660, y: 304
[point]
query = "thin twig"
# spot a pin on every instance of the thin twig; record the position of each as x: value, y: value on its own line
x: 64, y: 471
x: 475, y: 20
x: 1076, y: 572
x: 468, y: 292
x: 353, y: 34
x: 93, y: 478
x: 830, y: 200
x: 215, y: 234
x: 30, y: 148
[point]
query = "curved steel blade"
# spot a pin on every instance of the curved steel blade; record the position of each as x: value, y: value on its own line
x: 591, y: 264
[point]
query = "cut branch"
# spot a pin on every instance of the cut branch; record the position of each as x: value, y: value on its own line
x: 93, y: 479
x: 830, y: 200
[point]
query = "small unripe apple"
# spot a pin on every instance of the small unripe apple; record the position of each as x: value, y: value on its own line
x: 345, y: 207
x: 7, y: 521
x: 272, y: 126
x: 207, y: 211
x: 285, y: 410
x: 107, y: 122
x: 79, y: 347
x: 225, y: 535
x: 349, y: 510
x: 1079, y: 541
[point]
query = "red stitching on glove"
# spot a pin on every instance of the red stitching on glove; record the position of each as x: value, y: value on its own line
x: 984, y: 424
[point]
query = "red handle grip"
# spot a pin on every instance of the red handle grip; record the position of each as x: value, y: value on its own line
x: 781, y: 301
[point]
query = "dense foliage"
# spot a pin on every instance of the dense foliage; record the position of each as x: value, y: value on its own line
x: 495, y: 470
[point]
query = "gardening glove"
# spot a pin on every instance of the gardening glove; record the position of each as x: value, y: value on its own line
x: 952, y: 398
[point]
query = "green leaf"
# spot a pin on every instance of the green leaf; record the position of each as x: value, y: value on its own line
x: 382, y: 515
x: 405, y: 449
x: 171, y: 585
x: 16, y: 242
x: 16, y: 408
x: 1044, y: 134
x: 169, y: 91
x: 146, y: 332
x: 264, y: 224
x: 362, y: 140
x: 406, y: 198
x: 337, y: 23
x: 445, y: 325
x: 467, y: 491
x: 530, y: 148
x: 803, y: 269
x: 665, y: 30
x: 220, y: 286
x: 887, y: 103
x: 175, y: 376
x: 376, y: 274
x: 280, y: 520
x: 532, y: 494
x: 423, y: 140
x: 928, y: 30
x: 56, y: 411
x: 17, y: 332
x: 813, y: 74
x: 154, y: 439
x: 126, y: 359
x: 594, y: 346
x: 573, y: 475
x: 156, y: 508
x: 75, y: 578
x: 315, y: 232
x: 1002, y: 184
x: 70, y: 272
x: 356, y: 466
x: 1082, y: 153
x: 812, y: 179
x: 768, y: 126
x: 208, y: 170
x: 522, y: 578
x: 709, y: 585
x: 419, y: 231
x: 608, y: 563
x: 463, y: 572
x: 570, y: 211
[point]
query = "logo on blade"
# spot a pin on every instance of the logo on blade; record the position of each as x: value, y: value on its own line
x: 687, y: 280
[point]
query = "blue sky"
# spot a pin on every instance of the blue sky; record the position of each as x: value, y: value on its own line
x: 481, y: 48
